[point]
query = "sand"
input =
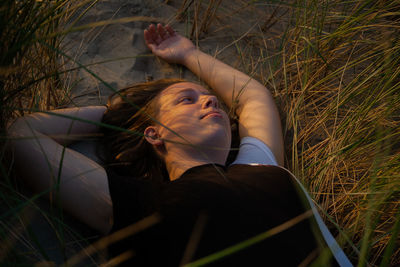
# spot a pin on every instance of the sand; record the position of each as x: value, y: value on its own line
x: 126, y: 43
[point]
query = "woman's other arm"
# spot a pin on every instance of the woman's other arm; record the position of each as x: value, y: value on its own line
x: 38, y: 143
x: 256, y: 109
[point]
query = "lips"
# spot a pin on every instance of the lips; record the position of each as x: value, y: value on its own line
x: 212, y: 113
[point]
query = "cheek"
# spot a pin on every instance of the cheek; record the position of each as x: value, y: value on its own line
x: 176, y: 122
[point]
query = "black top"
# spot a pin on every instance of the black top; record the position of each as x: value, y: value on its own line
x: 215, y: 207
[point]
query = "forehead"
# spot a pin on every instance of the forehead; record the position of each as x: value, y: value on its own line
x: 183, y: 86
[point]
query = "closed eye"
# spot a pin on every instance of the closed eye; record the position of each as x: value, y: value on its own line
x: 185, y: 99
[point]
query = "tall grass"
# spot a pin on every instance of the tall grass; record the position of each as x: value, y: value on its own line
x: 333, y: 67
x: 31, y: 78
x: 342, y: 89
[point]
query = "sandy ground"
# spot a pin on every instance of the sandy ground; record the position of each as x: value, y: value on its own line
x: 132, y: 61
x: 129, y: 61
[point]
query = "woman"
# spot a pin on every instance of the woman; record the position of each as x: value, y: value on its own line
x: 171, y: 162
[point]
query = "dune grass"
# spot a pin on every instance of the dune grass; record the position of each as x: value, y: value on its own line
x: 341, y: 100
x: 31, y: 78
x: 333, y: 67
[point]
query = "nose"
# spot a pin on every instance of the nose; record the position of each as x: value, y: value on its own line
x: 210, y: 101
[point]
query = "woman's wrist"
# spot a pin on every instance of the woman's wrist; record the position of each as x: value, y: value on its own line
x: 190, y: 56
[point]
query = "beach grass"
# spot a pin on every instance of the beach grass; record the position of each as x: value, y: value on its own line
x: 31, y: 78
x: 332, y: 66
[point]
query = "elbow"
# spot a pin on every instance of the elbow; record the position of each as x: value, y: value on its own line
x: 19, y: 128
x: 16, y: 131
x: 15, y: 128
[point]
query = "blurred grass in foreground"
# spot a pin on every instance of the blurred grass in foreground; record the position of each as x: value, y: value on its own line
x: 334, y: 74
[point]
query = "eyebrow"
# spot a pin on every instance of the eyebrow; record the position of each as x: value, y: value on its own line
x: 194, y: 90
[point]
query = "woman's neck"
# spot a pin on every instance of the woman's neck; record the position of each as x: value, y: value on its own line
x: 178, y: 161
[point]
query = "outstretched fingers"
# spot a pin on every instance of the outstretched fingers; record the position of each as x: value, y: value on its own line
x: 170, y: 30
x: 149, y: 40
x: 150, y: 37
x: 162, y: 32
x: 164, y: 42
x: 154, y: 36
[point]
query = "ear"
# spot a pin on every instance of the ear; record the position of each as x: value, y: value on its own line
x: 151, y: 135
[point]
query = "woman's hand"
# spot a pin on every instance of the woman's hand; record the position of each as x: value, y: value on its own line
x: 167, y: 44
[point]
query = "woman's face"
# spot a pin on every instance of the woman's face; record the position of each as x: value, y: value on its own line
x: 192, y: 114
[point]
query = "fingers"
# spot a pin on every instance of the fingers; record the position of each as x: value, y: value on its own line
x: 161, y: 31
x: 148, y: 38
x: 170, y: 30
x: 155, y: 36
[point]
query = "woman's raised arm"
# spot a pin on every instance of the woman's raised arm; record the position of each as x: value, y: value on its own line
x: 42, y: 161
x: 256, y: 109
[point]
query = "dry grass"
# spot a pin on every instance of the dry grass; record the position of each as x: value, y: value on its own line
x: 31, y: 78
x: 334, y: 70
x: 343, y: 112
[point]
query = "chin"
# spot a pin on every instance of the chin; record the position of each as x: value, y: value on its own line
x: 207, y: 138
x: 220, y: 141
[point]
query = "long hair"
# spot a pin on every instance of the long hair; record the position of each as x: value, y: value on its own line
x: 134, y: 109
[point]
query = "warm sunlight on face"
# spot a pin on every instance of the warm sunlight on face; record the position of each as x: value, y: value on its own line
x: 193, y: 113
